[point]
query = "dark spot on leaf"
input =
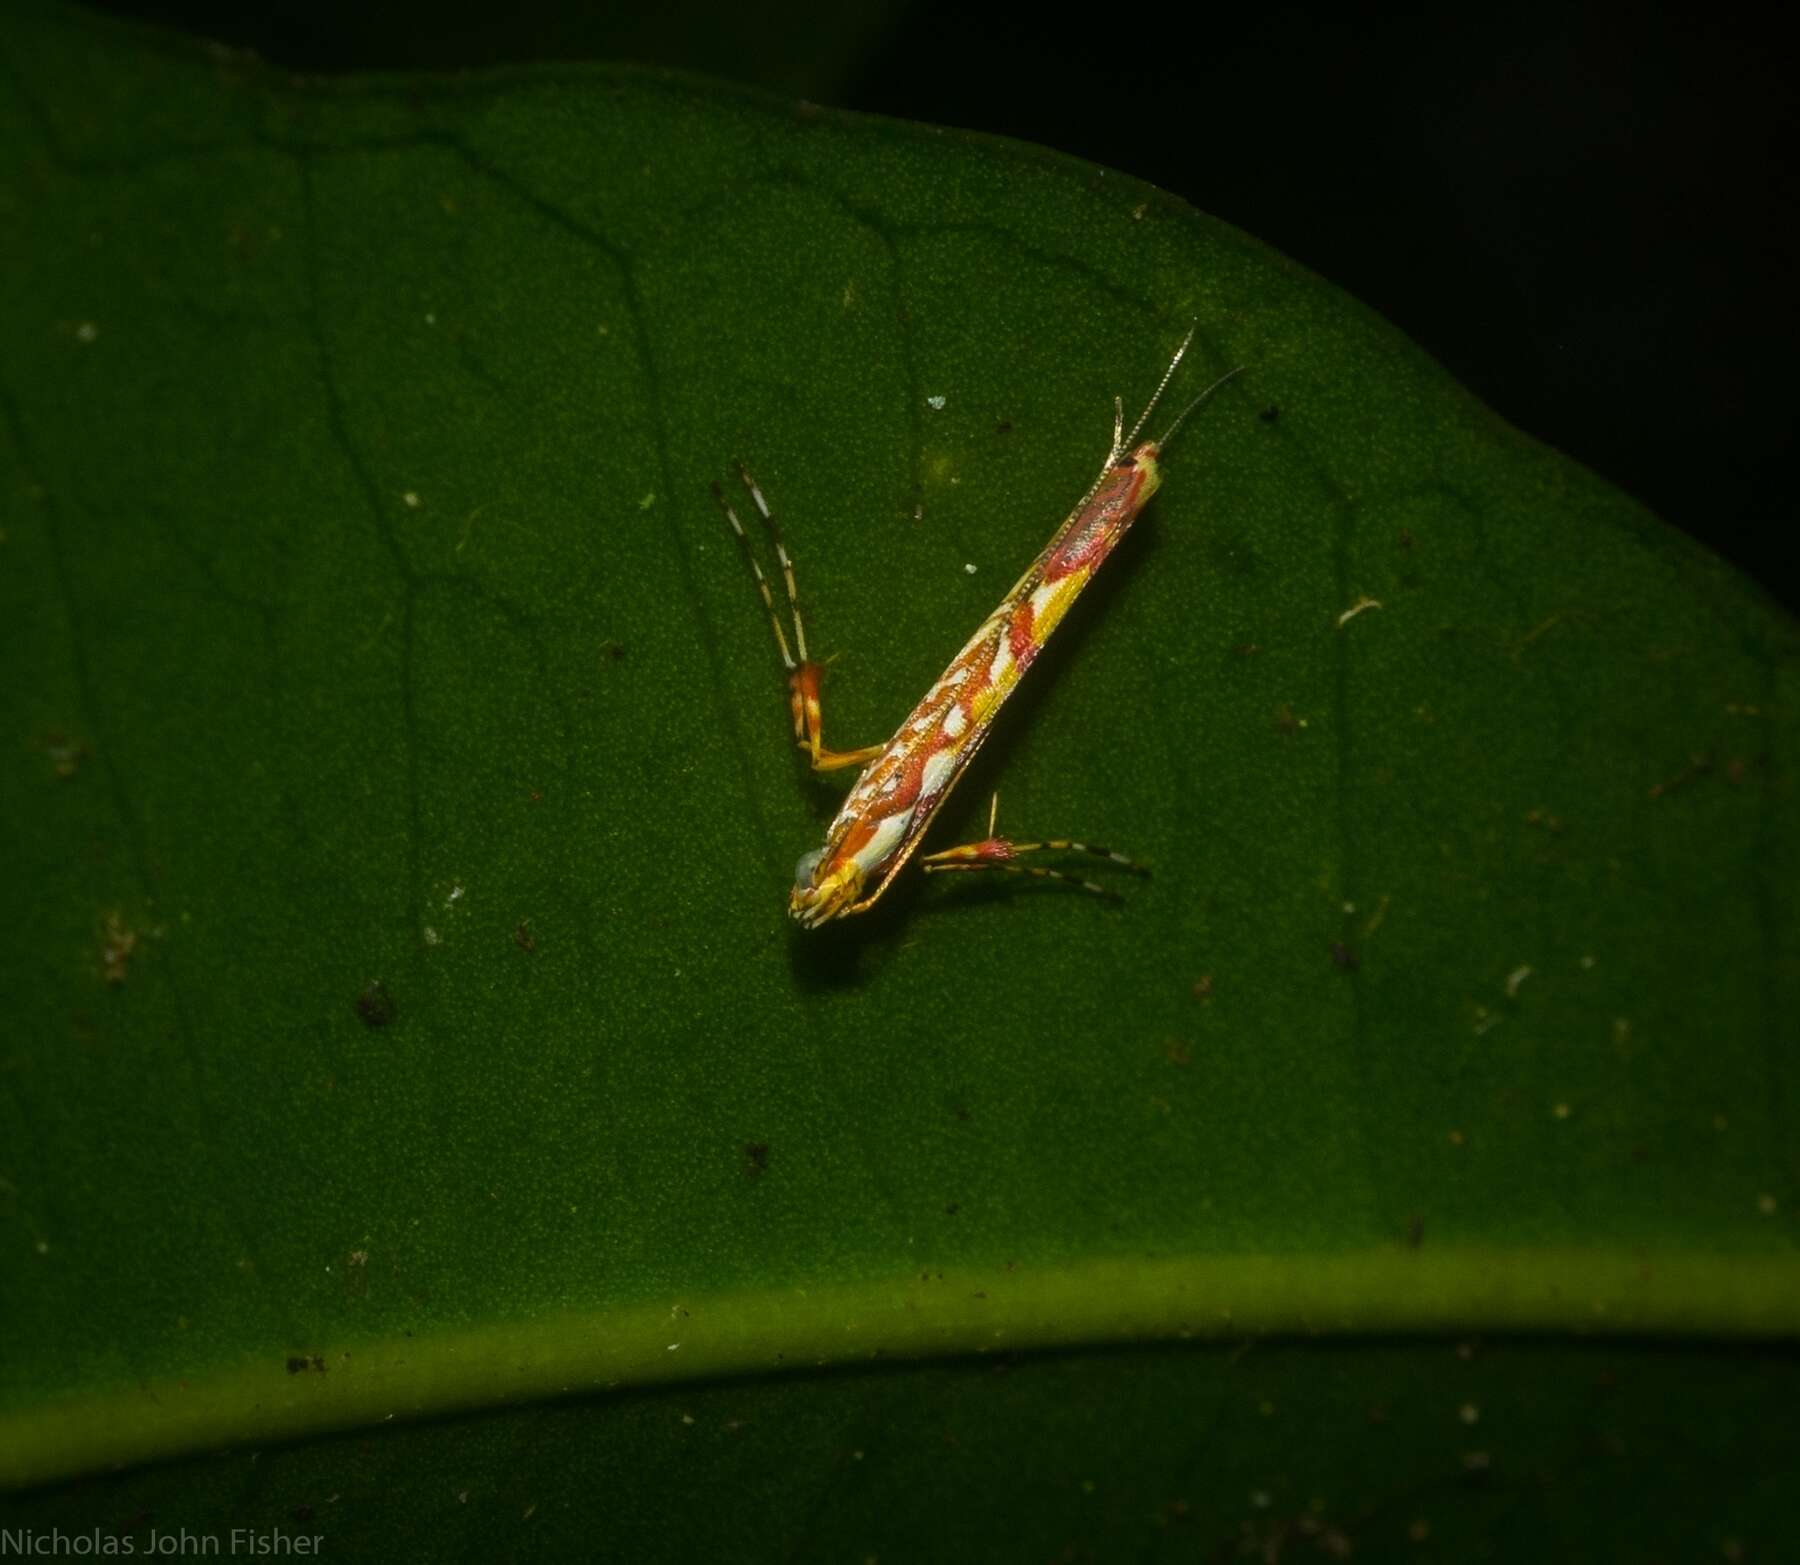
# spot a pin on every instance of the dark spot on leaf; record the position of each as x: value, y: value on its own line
x: 1344, y: 956
x: 951, y: 1208
x: 1178, y: 1053
x: 1269, y: 414
x: 756, y: 1159
x: 1203, y: 987
x: 612, y: 650
x: 523, y: 937
x: 375, y: 1005
x: 1004, y: 427
x: 303, y: 1512
x: 1415, y: 1232
x: 1406, y: 538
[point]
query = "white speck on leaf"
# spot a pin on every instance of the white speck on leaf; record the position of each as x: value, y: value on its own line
x: 1356, y: 608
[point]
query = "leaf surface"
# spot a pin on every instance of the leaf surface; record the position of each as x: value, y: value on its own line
x: 402, y: 1013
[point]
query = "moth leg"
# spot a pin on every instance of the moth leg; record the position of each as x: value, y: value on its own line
x: 1000, y: 853
x: 804, y: 675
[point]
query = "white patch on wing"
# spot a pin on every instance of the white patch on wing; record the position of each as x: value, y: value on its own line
x: 1003, y: 661
x: 954, y: 723
x: 888, y: 836
x: 936, y: 773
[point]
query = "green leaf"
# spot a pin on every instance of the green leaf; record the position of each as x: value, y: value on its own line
x: 402, y: 1014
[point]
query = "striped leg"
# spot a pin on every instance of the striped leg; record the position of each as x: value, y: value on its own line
x: 804, y: 675
x: 999, y: 853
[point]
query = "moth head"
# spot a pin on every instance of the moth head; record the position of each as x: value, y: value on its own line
x: 822, y: 891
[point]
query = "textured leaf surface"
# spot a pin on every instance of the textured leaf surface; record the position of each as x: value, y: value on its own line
x: 401, y: 1012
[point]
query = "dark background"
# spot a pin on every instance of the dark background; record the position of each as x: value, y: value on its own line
x: 1586, y: 212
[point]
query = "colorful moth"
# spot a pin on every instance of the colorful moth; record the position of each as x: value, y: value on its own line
x: 905, y: 781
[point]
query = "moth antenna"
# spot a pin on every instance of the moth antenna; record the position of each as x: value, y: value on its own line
x: 1162, y: 385
x: 1181, y: 417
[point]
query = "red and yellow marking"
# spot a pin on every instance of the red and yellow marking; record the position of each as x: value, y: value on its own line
x: 905, y: 782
